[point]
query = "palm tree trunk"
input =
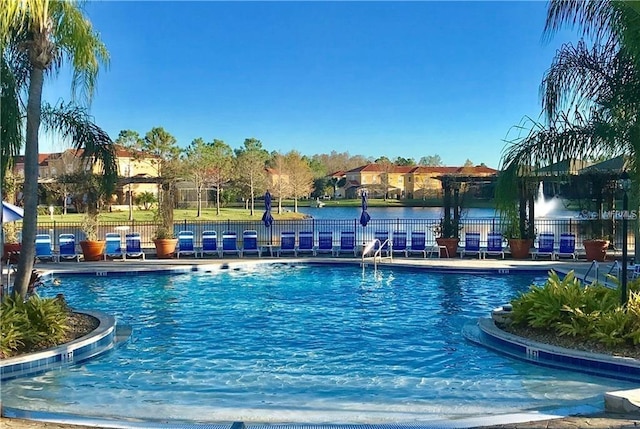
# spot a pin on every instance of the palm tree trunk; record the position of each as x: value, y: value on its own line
x: 30, y: 190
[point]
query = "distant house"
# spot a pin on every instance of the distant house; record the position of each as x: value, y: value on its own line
x: 400, y: 182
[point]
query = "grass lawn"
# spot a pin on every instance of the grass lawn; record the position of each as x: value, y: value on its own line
x: 178, y: 215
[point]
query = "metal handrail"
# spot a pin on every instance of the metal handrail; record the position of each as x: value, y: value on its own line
x: 594, y: 264
x: 377, y: 253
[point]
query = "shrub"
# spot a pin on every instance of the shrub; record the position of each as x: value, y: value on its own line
x: 592, y: 312
x: 34, y: 323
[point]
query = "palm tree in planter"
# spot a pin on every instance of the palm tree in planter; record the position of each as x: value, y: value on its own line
x: 95, y: 191
x: 37, y: 37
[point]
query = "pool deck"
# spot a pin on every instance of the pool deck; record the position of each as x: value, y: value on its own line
x: 621, y: 410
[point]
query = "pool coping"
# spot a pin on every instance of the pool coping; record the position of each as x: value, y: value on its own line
x: 97, y: 342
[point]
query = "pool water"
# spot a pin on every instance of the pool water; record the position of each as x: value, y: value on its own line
x: 304, y: 343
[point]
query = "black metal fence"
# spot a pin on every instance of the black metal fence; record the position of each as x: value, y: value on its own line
x: 271, y: 235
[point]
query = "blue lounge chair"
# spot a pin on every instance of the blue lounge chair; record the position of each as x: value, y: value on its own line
x: 134, y: 246
x: 287, y: 243
x: 494, y: 245
x: 325, y: 242
x: 250, y: 243
x: 113, y: 246
x: 305, y: 243
x: 185, y: 244
x: 67, y: 244
x: 347, y: 243
x: 471, y: 245
x: 546, y: 243
x: 418, y: 243
x: 567, y: 247
x: 44, y: 248
x: 210, y: 243
x: 382, y: 242
x: 399, y: 242
x: 230, y: 243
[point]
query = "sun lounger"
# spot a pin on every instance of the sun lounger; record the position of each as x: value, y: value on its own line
x: 186, y: 244
x: 494, y: 245
x: 418, y: 244
x: 210, y: 243
x: 325, y: 242
x: 113, y: 246
x: 546, y: 243
x: 382, y: 242
x: 305, y: 243
x: 44, y: 248
x: 567, y: 247
x: 347, y: 243
x: 230, y: 243
x: 250, y: 243
x: 134, y: 245
x: 287, y: 243
x: 67, y: 245
x: 471, y: 245
x: 399, y: 242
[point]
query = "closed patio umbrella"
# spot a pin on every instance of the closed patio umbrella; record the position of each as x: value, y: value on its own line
x: 364, y: 217
x: 267, y: 218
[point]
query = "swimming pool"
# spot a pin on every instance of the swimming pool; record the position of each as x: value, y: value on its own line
x: 299, y: 343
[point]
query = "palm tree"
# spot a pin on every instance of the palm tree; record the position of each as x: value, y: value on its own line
x: 43, y: 34
x: 591, y: 96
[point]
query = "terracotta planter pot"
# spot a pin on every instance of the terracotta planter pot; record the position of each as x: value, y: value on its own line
x: 92, y: 250
x: 451, y: 245
x: 11, y: 252
x: 165, y: 247
x: 596, y: 250
x: 520, y: 247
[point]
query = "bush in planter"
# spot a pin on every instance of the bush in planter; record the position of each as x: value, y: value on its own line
x: 447, y: 234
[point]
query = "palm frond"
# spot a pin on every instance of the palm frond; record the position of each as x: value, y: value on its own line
x: 73, y: 123
x: 594, y: 18
x: 10, y: 117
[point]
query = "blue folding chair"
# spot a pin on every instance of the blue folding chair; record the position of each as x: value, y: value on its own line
x: 418, y: 243
x: 134, y: 246
x: 230, y: 243
x: 494, y: 245
x: 305, y: 243
x: 471, y: 245
x: 44, y: 248
x: 113, y: 246
x: 287, y: 243
x: 546, y: 243
x: 399, y: 242
x: 347, y: 243
x: 186, y: 244
x: 567, y: 247
x: 250, y: 243
x: 325, y: 242
x: 67, y: 245
x: 210, y: 243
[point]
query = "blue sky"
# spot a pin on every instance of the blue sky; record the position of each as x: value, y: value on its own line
x: 392, y: 79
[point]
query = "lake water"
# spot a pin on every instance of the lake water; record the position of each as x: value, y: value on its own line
x: 413, y: 213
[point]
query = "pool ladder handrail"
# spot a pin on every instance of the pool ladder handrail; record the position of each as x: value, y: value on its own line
x: 377, y: 254
x: 594, y: 265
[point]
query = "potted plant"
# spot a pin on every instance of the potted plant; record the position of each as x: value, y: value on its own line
x: 519, y: 233
x: 12, y: 246
x: 164, y: 238
x: 94, y: 191
x: 447, y: 236
x: 92, y: 247
x: 595, y: 247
